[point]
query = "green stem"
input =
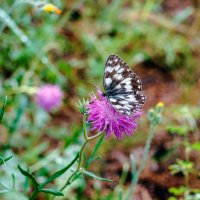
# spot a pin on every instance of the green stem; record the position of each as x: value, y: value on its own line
x: 83, y: 147
x: 81, y: 154
x: 146, y: 152
x: 95, y: 136
x: 34, y: 194
x: 79, y: 166
x: 69, y: 180
x: 85, y: 128
x: 78, y: 169
x: 144, y: 158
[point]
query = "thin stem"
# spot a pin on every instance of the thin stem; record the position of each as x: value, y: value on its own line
x: 81, y: 154
x: 79, y: 166
x: 69, y: 180
x: 34, y: 195
x: 146, y: 151
x: 95, y: 136
x: 83, y: 147
x: 78, y: 169
x: 144, y: 158
x: 84, y: 127
x: 23, y: 89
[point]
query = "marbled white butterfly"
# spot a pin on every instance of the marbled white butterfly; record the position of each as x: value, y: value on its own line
x: 122, y: 86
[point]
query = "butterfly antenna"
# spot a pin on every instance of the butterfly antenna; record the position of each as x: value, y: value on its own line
x: 93, y: 85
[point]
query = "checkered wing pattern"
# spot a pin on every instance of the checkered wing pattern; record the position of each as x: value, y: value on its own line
x: 122, y: 86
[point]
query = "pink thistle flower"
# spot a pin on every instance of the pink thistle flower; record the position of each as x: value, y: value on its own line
x: 49, y: 97
x: 104, y: 117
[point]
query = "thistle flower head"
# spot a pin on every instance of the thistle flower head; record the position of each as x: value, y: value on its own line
x: 49, y: 97
x: 104, y: 117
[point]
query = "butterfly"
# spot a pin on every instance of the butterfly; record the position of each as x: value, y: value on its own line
x: 122, y: 86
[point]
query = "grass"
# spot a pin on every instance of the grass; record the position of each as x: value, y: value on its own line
x: 70, y: 50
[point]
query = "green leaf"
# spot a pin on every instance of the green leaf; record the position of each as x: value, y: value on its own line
x: 3, y: 108
x: 27, y: 174
x: 23, y: 101
x: 183, y: 166
x: 91, y: 174
x: 92, y: 157
x: 180, y: 130
x: 13, y: 181
x: 91, y: 160
x: 196, y: 146
x: 77, y: 176
x: 100, y: 141
x: 52, y: 191
x: 177, y: 191
x: 3, y: 160
x: 60, y: 172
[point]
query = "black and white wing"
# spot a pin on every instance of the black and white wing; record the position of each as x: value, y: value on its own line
x: 122, y: 86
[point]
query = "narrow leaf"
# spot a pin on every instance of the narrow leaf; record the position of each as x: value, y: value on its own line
x: 3, y: 108
x: 52, y: 191
x: 77, y: 176
x: 27, y: 174
x: 97, y: 146
x: 13, y: 181
x: 60, y: 172
x: 91, y: 174
x: 19, y: 112
x: 92, y: 157
x: 3, y: 160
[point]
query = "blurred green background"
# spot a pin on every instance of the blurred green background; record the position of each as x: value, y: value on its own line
x: 159, y: 39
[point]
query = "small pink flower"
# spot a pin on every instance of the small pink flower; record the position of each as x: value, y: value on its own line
x: 104, y: 117
x: 49, y: 97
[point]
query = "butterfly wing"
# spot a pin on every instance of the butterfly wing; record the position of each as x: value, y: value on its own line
x: 127, y: 103
x: 122, y: 86
x: 118, y: 77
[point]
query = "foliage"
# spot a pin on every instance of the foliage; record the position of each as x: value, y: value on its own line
x: 66, y: 43
x: 187, y: 166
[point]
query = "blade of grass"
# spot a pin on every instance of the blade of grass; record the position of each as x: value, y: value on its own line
x: 3, y: 160
x: 3, y: 108
x: 27, y: 174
